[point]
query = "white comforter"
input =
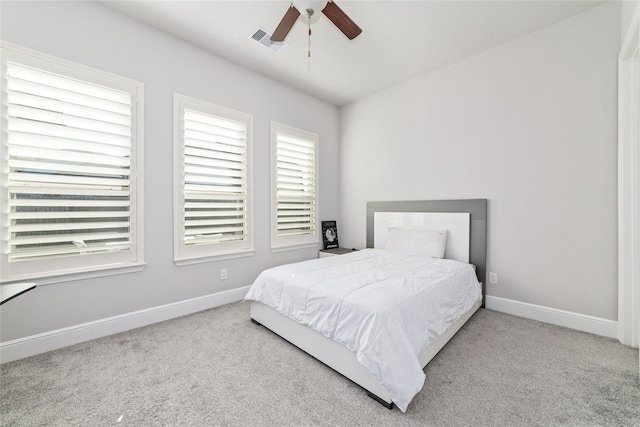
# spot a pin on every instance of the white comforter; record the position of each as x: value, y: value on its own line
x: 384, y: 306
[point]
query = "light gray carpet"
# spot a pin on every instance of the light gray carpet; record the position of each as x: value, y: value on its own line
x: 218, y: 368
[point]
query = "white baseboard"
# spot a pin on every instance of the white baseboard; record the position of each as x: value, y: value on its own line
x: 580, y: 322
x: 36, y: 344
x: 41, y: 343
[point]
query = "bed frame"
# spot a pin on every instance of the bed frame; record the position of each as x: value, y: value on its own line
x: 344, y: 361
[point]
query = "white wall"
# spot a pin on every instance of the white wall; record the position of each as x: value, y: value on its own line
x: 529, y: 125
x: 95, y: 36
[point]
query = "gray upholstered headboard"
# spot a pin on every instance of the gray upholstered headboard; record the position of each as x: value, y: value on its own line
x: 478, y: 232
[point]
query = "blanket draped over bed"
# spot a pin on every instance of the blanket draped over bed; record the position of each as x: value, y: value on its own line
x: 384, y: 306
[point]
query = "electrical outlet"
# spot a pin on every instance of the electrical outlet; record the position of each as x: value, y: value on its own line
x: 493, y: 278
x: 223, y: 274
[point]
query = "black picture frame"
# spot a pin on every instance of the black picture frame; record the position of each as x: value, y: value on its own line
x: 330, y: 235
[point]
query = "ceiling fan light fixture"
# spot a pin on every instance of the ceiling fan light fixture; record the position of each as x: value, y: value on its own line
x: 310, y: 9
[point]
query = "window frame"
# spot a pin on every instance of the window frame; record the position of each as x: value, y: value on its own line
x: 283, y: 243
x: 74, y: 267
x: 206, y: 252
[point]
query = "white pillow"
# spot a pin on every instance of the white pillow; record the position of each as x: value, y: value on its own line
x: 414, y: 241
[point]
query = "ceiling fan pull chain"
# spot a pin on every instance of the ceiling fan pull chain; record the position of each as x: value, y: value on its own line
x: 309, y: 51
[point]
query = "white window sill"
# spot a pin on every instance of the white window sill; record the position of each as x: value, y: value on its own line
x: 313, y: 245
x: 80, y: 275
x: 200, y: 260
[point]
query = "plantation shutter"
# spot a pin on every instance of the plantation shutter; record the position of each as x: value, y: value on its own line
x: 69, y: 159
x: 215, y: 179
x: 295, y: 185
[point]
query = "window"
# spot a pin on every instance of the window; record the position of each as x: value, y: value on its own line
x: 212, y: 152
x: 294, y: 187
x: 71, y: 144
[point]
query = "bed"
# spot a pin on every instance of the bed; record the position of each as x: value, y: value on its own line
x: 379, y: 315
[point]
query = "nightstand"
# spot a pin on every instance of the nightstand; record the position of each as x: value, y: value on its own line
x: 335, y: 251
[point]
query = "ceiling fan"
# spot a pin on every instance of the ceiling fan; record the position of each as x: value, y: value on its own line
x: 308, y: 9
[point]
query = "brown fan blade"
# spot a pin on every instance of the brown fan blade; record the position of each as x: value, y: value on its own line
x: 341, y: 20
x: 285, y: 24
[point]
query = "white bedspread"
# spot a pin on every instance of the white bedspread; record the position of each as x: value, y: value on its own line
x: 384, y: 306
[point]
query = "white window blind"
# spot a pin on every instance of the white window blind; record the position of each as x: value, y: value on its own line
x: 68, y: 186
x: 215, y: 179
x: 295, y: 186
x: 213, y: 155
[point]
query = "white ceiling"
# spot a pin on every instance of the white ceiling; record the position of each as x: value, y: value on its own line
x: 400, y: 39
